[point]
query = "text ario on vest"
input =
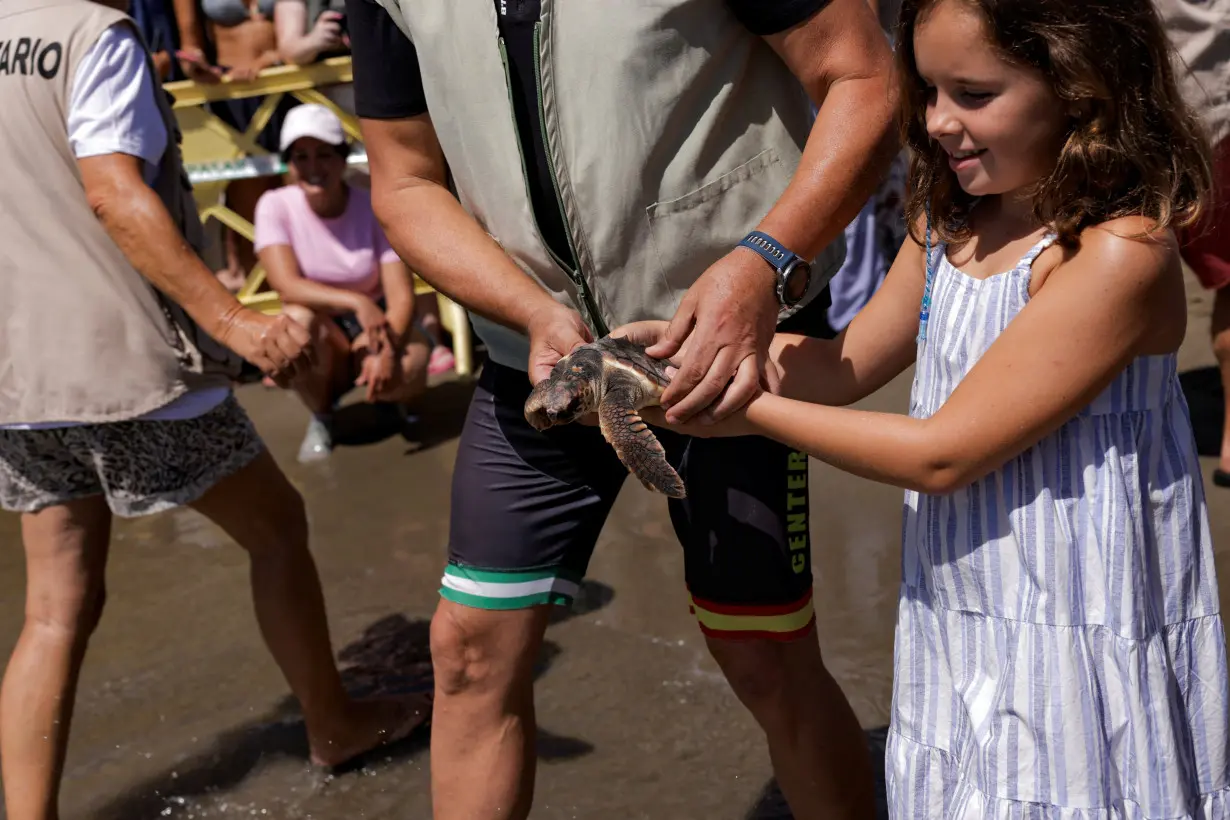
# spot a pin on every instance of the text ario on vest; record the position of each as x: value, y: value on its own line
x: 21, y: 55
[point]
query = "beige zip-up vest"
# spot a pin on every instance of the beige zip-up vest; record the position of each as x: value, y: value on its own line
x: 83, y: 336
x: 671, y: 130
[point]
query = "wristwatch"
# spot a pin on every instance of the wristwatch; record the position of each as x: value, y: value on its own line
x: 793, y: 272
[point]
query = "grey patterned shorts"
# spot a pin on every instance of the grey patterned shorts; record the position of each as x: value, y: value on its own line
x: 141, y: 467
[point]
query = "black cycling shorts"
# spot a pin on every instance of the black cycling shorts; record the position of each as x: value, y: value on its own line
x: 527, y: 508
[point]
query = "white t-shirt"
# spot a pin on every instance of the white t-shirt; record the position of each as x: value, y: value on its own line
x: 112, y: 110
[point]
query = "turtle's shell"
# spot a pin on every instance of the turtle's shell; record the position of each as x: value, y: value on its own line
x: 630, y: 357
x: 615, y: 378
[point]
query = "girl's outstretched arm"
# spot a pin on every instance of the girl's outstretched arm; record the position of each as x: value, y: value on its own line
x: 1117, y: 298
x: 873, y: 350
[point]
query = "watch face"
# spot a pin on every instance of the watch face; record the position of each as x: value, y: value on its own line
x: 796, y: 280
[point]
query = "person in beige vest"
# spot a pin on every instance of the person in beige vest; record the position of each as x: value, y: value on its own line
x: 117, y: 351
x: 615, y: 162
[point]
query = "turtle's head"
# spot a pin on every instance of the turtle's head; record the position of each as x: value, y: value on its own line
x: 568, y: 393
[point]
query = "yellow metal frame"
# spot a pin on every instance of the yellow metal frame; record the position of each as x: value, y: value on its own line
x: 207, y: 139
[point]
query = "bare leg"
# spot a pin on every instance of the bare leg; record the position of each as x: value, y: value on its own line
x: 483, y: 732
x: 1221, y: 349
x: 66, y: 559
x: 260, y: 509
x: 818, y: 749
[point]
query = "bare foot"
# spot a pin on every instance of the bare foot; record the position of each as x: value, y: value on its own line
x: 372, y: 723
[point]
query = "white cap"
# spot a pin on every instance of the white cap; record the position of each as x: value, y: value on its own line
x: 311, y: 120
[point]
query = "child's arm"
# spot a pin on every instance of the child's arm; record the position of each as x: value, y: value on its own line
x: 1116, y: 299
x: 876, y: 347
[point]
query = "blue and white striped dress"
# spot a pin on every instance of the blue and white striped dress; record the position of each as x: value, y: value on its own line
x: 1059, y: 648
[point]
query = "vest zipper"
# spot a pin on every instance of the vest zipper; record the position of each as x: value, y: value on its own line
x: 588, y: 310
x: 595, y: 316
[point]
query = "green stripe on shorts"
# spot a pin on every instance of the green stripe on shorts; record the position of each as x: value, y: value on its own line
x: 493, y: 589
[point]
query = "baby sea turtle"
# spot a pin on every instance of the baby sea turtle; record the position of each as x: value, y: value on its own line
x: 616, y: 378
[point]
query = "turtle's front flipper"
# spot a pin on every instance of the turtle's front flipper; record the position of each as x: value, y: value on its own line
x: 635, y: 444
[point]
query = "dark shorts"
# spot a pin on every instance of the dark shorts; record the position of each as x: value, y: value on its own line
x: 528, y: 508
x: 348, y: 323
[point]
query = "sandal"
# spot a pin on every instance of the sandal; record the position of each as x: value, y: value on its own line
x: 440, y: 361
x: 1221, y: 478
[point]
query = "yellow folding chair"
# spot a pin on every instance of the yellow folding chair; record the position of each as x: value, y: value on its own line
x: 215, y: 154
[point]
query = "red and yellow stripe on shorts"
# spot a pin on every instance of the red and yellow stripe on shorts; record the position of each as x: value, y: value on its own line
x: 779, y: 622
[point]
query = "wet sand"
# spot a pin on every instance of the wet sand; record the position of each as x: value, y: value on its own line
x: 182, y: 714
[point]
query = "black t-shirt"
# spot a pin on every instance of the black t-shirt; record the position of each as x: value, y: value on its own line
x: 388, y: 85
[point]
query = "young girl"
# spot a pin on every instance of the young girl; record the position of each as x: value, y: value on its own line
x: 1059, y: 649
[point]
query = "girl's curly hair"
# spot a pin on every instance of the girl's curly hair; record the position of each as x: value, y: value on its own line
x: 1133, y: 146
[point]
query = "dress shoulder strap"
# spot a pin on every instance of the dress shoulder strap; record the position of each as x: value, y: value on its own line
x: 1032, y: 254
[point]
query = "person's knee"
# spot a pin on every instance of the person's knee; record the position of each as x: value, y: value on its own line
x: 74, y: 609
x: 414, y: 369
x: 769, y: 677
x: 302, y: 315
x: 472, y: 655
x: 279, y: 520
x: 319, y: 326
x: 66, y: 560
x: 754, y: 670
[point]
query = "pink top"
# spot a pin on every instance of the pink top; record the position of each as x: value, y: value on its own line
x: 345, y: 252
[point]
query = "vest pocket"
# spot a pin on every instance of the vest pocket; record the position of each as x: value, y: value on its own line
x: 691, y: 232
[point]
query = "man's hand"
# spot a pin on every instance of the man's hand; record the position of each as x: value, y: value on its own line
x: 554, y: 331
x: 279, y: 346
x: 727, y: 320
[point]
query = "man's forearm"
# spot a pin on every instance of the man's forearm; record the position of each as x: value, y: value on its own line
x: 443, y: 244
x: 139, y: 224
x: 847, y: 152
